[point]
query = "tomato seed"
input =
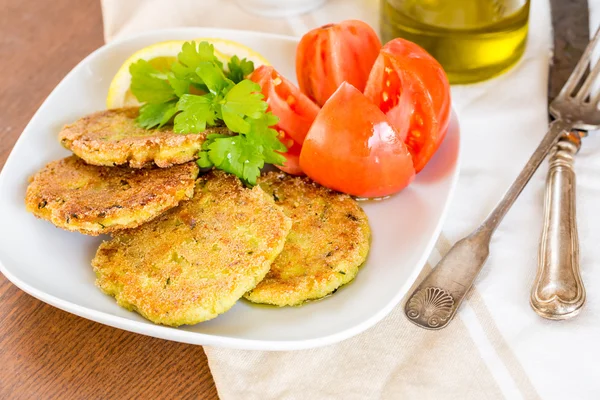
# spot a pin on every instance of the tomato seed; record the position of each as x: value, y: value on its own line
x: 419, y: 120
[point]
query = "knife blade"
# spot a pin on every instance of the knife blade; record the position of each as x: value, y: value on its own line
x: 571, y: 33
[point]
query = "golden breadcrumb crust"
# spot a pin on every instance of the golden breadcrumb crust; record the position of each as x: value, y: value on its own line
x: 329, y: 240
x: 93, y: 200
x: 195, y: 261
x: 112, y: 137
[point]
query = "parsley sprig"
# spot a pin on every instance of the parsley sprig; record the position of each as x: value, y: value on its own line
x: 199, y: 92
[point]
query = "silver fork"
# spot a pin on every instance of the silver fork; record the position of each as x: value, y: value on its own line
x: 434, y: 302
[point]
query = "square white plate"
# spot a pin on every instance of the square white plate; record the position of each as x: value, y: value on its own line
x: 54, y: 265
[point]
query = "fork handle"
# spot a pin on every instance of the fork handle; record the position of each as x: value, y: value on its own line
x: 558, y: 291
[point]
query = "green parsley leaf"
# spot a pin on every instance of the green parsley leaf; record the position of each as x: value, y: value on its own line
x: 244, y: 155
x: 213, y: 77
x: 266, y: 139
x: 148, y: 84
x: 180, y: 86
x: 213, y: 136
x: 239, y: 69
x: 243, y: 100
x: 189, y: 59
x: 203, y: 160
x: 270, y: 119
x: 196, y: 113
x: 156, y: 115
x: 236, y: 155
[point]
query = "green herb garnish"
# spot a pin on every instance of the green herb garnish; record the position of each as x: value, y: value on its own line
x: 198, y: 92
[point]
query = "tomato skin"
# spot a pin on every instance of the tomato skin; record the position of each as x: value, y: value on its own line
x: 351, y: 147
x: 332, y: 54
x: 412, y: 89
x: 296, y: 113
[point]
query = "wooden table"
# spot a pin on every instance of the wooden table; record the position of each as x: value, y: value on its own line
x: 44, y: 352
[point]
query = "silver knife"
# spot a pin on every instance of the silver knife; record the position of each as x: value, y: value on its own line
x: 558, y: 291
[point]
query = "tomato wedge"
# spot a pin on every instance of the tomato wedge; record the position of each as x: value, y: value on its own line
x: 412, y: 89
x: 292, y: 156
x: 352, y: 147
x: 296, y: 112
x: 334, y: 53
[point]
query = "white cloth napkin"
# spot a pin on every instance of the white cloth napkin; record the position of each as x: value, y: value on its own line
x: 497, y: 347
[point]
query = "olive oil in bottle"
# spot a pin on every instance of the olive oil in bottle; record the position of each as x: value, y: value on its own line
x: 474, y: 40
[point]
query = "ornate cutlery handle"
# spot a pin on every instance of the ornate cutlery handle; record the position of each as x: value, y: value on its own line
x: 558, y: 291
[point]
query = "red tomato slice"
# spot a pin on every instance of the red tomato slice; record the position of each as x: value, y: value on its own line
x: 296, y: 112
x: 334, y: 53
x: 412, y: 89
x: 352, y: 147
x: 292, y: 156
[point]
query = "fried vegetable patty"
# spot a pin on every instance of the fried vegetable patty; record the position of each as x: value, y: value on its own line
x: 328, y: 242
x: 93, y: 200
x: 195, y: 261
x: 112, y: 137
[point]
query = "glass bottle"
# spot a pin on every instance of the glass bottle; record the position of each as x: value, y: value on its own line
x: 474, y: 40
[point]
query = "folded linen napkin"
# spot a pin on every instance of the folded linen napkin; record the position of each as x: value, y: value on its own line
x: 497, y: 347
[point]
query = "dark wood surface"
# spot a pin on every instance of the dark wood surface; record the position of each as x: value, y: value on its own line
x: 46, y: 353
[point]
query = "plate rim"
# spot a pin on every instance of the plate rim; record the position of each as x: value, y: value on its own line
x: 197, y: 338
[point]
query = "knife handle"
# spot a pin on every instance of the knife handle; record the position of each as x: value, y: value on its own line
x: 558, y: 291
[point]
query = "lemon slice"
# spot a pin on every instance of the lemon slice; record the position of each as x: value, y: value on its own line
x: 161, y: 56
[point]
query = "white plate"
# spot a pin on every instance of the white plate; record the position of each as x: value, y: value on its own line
x: 54, y: 265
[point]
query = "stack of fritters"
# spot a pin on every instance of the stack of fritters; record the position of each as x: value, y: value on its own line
x: 185, y: 248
